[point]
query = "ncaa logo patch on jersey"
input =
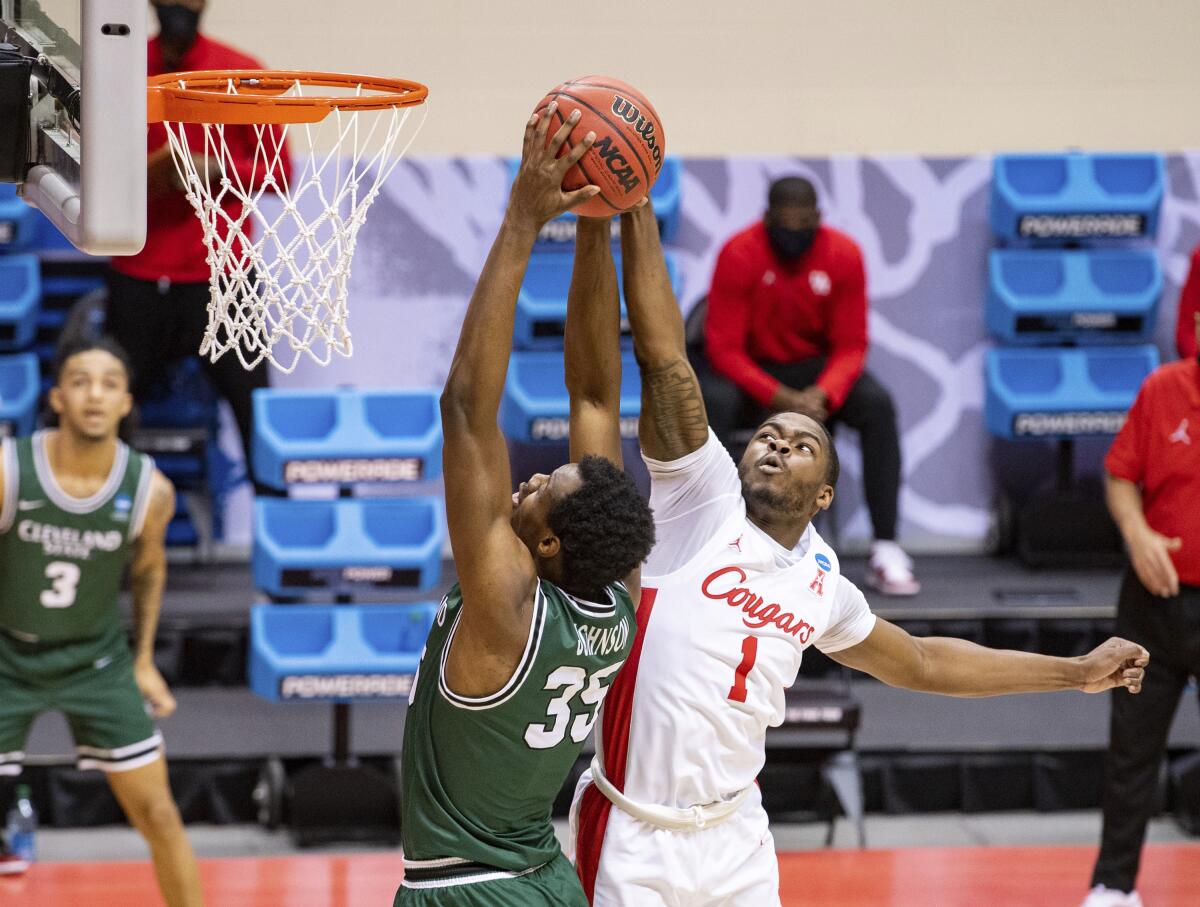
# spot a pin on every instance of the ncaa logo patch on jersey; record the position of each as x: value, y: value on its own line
x: 122, y: 505
x: 823, y: 562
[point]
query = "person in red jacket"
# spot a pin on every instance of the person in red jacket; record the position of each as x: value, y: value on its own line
x: 158, y: 299
x: 1153, y: 491
x: 1189, y: 307
x: 786, y: 329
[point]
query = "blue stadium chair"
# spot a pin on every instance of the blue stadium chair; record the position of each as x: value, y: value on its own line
x: 18, y: 225
x: 1048, y: 296
x: 19, y: 389
x: 20, y: 295
x: 1063, y: 393
x: 1073, y: 196
x: 336, y: 653
x: 346, y: 436
x: 542, y: 303
x: 347, y: 545
x: 559, y: 234
x: 535, y: 406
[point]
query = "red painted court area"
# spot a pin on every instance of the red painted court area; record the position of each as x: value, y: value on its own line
x: 945, y: 877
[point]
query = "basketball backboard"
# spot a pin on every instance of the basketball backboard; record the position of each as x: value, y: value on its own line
x: 85, y: 61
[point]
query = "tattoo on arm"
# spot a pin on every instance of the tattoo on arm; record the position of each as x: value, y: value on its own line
x: 673, y: 422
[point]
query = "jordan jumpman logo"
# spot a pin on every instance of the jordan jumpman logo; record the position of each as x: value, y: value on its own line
x: 1180, y: 434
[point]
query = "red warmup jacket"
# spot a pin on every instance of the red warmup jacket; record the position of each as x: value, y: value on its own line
x: 1158, y: 449
x: 1189, y: 305
x: 174, y: 237
x: 762, y: 310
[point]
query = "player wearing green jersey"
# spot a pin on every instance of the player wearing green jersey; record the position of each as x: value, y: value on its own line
x: 526, y: 645
x: 77, y: 507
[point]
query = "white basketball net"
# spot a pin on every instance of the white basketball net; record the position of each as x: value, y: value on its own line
x: 281, y: 265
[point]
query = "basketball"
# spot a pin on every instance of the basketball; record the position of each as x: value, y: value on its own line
x: 628, y: 153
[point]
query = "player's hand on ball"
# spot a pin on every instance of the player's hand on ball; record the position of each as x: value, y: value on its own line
x: 1114, y: 663
x: 154, y: 689
x: 537, y: 193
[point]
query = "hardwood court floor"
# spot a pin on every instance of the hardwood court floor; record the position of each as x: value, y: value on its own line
x: 944, y: 877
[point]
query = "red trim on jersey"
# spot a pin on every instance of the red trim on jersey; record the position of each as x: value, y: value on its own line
x: 618, y: 704
x: 594, y: 807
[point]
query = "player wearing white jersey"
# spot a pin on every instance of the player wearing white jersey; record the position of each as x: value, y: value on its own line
x: 738, y: 586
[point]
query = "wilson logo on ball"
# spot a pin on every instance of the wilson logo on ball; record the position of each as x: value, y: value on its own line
x: 630, y: 113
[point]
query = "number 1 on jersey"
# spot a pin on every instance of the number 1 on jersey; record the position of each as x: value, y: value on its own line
x: 737, y: 692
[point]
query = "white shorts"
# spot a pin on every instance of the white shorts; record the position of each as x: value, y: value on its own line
x: 625, y: 862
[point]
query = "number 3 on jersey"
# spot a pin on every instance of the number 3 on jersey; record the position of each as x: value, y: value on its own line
x: 570, y: 680
x: 64, y: 582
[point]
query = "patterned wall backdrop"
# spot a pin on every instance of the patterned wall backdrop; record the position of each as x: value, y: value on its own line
x: 922, y: 224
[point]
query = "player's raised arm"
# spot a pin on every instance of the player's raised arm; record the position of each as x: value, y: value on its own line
x: 955, y: 667
x: 495, y: 569
x: 592, y: 345
x: 673, y: 422
x: 592, y: 348
x: 147, y: 578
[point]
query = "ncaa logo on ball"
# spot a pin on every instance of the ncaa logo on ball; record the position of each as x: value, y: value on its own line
x: 823, y: 562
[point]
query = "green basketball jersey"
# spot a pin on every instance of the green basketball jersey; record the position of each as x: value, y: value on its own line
x: 480, y: 775
x: 62, y: 558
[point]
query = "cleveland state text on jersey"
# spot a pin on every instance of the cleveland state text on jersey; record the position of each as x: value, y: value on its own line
x: 67, y: 541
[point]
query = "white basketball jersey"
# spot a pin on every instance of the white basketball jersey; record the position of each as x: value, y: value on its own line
x: 725, y: 616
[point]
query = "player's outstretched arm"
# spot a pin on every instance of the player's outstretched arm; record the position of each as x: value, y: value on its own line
x: 147, y: 578
x: 592, y: 345
x: 673, y: 422
x: 955, y: 667
x: 592, y: 348
x: 495, y: 570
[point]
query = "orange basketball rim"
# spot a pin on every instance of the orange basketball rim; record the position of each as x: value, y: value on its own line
x: 280, y: 243
x: 257, y: 96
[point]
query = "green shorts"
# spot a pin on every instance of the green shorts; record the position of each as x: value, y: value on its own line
x: 552, y: 885
x: 91, y: 683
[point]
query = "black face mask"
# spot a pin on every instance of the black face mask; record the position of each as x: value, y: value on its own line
x: 177, y: 26
x: 790, y: 244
